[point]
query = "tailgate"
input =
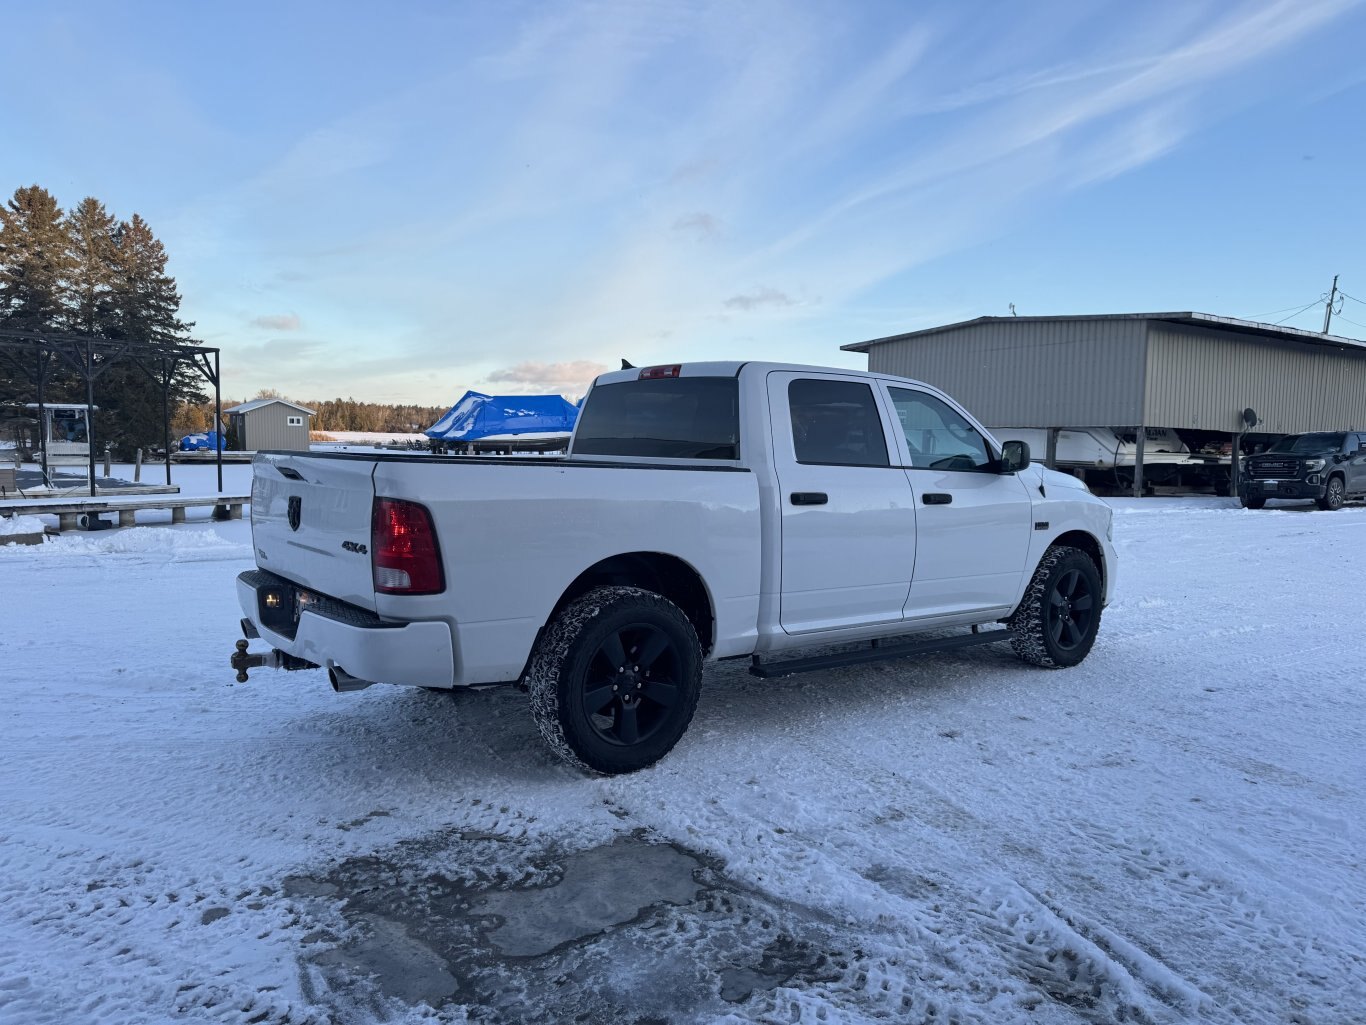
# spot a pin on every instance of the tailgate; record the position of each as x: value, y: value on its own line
x: 310, y: 522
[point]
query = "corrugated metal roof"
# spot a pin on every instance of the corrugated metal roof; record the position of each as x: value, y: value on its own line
x: 247, y: 407
x: 1189, y: 318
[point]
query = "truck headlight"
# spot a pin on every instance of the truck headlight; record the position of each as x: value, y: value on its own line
x: 1314, y: 465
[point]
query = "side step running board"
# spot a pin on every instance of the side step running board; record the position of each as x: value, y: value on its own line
x: 875, y: 653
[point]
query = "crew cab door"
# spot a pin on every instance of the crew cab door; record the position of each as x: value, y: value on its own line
x: 973, y: 523
x: 1355, y: 465
x: 848, y: 523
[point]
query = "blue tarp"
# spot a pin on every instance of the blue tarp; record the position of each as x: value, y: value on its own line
x: 202, y: 442
x: 478, y: 416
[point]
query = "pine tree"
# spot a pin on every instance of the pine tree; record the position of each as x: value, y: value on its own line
x: 143, y: 305
x: 91, y: 230
x: 36, y: 261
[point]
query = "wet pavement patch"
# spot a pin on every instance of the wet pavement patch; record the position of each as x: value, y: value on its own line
x: 630, y: 931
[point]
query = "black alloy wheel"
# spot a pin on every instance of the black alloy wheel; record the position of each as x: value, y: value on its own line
x: 1058, y: 618
x: 631, y: 685
x: 615, y: 679
x: 1071, y: 607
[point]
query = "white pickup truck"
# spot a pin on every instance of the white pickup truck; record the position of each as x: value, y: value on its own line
x: 704, y: 511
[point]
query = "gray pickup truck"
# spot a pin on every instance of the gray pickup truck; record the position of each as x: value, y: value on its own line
x: 1328, y: 467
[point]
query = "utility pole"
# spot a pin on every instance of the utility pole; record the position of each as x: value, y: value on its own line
x: 1332, y: 296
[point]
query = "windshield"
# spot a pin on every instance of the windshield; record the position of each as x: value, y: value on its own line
x: 1304, y: 444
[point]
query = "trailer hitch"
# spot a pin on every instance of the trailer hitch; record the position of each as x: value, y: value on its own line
x: 241, y: 660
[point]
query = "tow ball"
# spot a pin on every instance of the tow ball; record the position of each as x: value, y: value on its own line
x: 241, y: 661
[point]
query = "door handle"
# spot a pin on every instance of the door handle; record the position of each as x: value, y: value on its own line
x: 809, y: 498
x: 932, y: 498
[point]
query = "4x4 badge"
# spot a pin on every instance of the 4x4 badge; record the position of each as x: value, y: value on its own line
x: 295, y: 511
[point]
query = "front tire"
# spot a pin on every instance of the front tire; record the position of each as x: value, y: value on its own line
x: 1334, y: 495
x: 1056, y: 622
x: 1251, y: 503
x: 615, y: 679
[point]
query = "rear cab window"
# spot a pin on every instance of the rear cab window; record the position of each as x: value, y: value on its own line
x: 666, y: 418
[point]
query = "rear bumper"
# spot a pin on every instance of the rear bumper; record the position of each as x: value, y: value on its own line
x: 360, y: 643
x: 1279, y: 489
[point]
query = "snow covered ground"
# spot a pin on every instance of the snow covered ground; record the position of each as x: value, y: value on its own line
x: 1171, y: 832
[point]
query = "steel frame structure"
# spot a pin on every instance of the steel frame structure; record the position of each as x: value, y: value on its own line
x: 36, y: 353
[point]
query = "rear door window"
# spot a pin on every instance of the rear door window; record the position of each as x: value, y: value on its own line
x: 668, y: 418
x: 836, y: 423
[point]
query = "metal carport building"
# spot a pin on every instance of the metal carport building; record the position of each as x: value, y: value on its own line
x: 1177, y: 370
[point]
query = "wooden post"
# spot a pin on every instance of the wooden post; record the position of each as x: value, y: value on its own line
x: 1050, y: 458
x: 1235, y: 464
x: 137, y: 467
x: 1139, y: 438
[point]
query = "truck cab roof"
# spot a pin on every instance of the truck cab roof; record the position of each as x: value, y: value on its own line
x: 732, y: 368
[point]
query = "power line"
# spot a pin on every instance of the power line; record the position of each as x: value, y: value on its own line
x: 1352, y: 297
x: 1300, y: 310
x: 1272, y: 313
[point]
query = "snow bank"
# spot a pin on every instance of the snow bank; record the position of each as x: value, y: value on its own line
x: 20, y: 525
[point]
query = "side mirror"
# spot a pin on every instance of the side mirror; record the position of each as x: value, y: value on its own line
x: 1014, y: 456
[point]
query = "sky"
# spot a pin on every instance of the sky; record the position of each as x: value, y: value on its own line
x: 399, y: 202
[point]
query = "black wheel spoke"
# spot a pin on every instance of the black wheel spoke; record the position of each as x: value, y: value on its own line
x: 1073, y: 634
x: 655, y: 644
x: 1082, y: 604
x: 1055, y: 627
x: 1068, y: 585
x: 1056, y: 599
x: 597, y: 698
x: 614, y: 652
x: 627, y: 730
x: 661, y: 693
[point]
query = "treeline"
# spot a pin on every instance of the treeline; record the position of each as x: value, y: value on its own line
x: 332, y: 415
x: 84, y: 271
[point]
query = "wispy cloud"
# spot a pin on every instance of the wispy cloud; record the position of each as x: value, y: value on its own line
x: 700, y: 225
x: 568, y: 378
x: 758, y: 298
x: 605, y: 178
x: 277, y: 322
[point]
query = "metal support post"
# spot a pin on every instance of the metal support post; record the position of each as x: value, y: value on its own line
x: 1139, y: 438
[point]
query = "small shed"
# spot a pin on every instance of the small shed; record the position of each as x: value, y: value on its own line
x: 269, y: 424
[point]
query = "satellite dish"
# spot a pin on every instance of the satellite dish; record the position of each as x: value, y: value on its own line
x: 1250, y: 417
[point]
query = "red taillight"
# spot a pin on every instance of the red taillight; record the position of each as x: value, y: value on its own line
x: 654, y: 373
x: 404, y: 555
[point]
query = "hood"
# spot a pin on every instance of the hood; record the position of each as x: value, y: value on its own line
x: 1057, y: 479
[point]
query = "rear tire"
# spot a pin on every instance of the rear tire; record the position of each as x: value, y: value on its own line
x: 1334, y: 495
x: 1056, y: 622
x: 1251, y: 503
x: 615, y: 679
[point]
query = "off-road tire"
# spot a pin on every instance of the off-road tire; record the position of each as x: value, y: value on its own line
x: 571, y: 658
x: 1033, y: 627
x: 1251, y: 503
x: 1334, y: 495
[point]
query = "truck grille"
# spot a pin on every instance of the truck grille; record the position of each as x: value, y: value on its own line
x: 1276, y: 469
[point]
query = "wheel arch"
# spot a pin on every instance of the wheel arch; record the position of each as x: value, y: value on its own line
x: 666, y: 575
x: 1088, y: 543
